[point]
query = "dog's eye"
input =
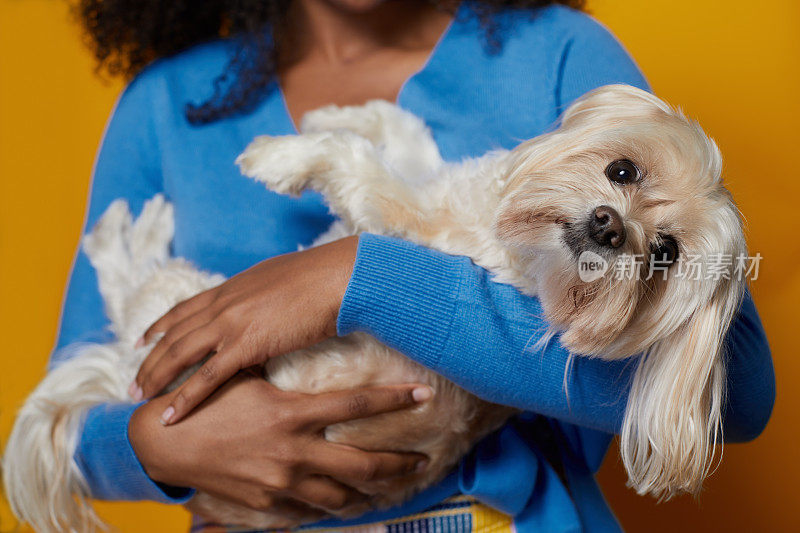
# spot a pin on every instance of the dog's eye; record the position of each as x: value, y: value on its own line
x: 623, y: 171
x: 665, y: 252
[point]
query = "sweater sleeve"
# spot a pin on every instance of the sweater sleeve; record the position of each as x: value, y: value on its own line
x: 446, y: 313
x: 127, y: 166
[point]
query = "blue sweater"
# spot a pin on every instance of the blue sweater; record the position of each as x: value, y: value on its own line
x: 440, y: 310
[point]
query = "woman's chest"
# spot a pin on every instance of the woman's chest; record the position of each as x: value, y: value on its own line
x: 226, y: 222
x: 314, y: 83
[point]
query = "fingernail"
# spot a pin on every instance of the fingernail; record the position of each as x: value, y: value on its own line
x: 135, y: 392
x: 421, y: 466
x: 139, y: 343
x: 420, y: 394
x: 167, y: 415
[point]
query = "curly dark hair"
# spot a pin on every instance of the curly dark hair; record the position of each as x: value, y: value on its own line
x: 126, y: 35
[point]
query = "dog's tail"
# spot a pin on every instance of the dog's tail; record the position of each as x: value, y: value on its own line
x: 43, y: 483
x: 123, y: 252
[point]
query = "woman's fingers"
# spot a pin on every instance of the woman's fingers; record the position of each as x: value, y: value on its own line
x: 340, y: 406
x: 181, y: 355
x: 167, y: 345
x: 181, y: 311
x: 209, y: 377
x: 351, y: 465
x: 327, y: 494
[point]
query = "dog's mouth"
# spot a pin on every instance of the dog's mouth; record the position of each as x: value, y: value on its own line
x: 574, y: 234
x: 575, y: 238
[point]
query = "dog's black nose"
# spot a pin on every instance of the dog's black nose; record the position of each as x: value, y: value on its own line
x: 606, y: 227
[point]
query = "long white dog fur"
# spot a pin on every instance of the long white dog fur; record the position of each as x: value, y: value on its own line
x: 522, y: 214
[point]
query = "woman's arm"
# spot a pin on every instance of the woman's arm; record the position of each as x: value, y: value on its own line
x: 442, y: 311
x: 448, y: 314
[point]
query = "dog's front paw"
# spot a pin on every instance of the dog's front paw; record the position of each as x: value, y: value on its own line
x: 278, y: 162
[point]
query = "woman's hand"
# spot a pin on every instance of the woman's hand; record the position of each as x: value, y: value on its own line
x: 258, y: 446
x: 280, y: 305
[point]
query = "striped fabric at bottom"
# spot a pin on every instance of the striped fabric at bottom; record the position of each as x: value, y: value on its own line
x: 459, y: 514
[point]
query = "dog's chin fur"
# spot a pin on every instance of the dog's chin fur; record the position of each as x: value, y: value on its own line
x: 518, y: 214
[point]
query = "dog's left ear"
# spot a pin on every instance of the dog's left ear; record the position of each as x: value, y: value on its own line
x: 673, y: 418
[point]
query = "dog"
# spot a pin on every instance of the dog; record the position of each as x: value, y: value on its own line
x: 623, y: 175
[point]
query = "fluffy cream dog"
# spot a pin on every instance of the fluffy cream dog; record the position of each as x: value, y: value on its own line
x: 624, y: 175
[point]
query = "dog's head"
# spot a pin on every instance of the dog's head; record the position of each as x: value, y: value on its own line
x: 629, y: 190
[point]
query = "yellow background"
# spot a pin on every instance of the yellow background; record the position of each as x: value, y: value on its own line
x: 734, y: 65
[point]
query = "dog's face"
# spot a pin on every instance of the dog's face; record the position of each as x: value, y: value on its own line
x: 627, y: 177
x: 634, y: 182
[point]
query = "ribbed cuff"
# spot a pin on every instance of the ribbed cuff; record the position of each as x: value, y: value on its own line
x: 403, y: 295
x: 110, y: 465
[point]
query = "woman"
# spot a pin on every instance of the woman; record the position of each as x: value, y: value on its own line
x: 481, y: 75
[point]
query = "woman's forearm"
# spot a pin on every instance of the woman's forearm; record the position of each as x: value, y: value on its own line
x: 448, y: 314
x: 110, y: 465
